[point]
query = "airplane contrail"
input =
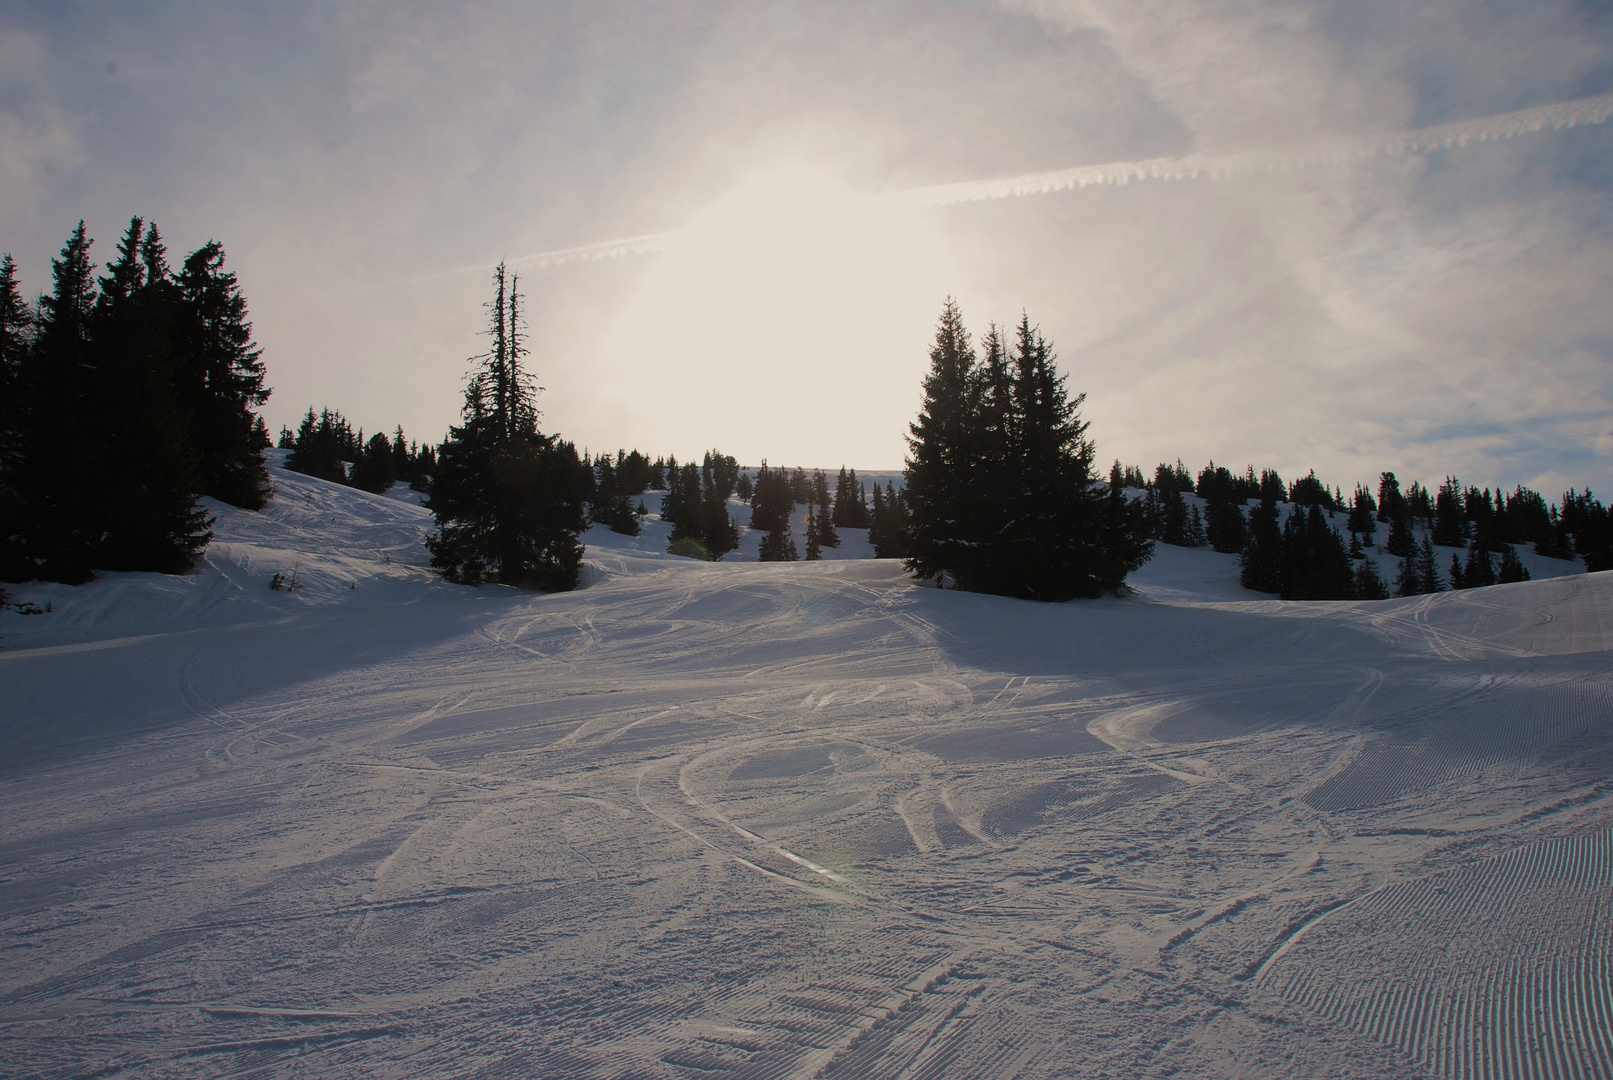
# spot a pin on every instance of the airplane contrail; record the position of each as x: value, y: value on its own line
x: 1311, y: 155
x: 1330, y: 152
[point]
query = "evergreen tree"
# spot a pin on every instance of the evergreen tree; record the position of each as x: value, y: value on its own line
x: 681, y: 507
x: 1223, y: 513
x: 719, y: 532
x: 54, y: 530
x: 876, y: 521
x: 1195, y: 528
x: 1395, y: 511
x: 743, y: 489
x: 220, y: 377
x: 815, y: 516
x: 897, y: 531
x: 999, y: 480
x: 1450, y: 518
x: 1367, y: 584
x: 801, y: 485
x: 1588, y: 522
x: 720, y: 472
x: 771, y: 510
x: 1512, y: 569
x: 611, y: 504
x: 779, y: 546
x: 1260, y: 563
x: 1427, y: 571
x: 850, y: 511
x: 1123, y: 543
x: 1309, y: 491
x: 374, y: 469
x: 822, y: 526
x: 509, y: 500
x: 942, y: 452
x: 1272, y: 486
x: 97, y: 473
x: 16, y: 339
x: 325, y: 446
x: 1363, y: 515
x: 1478, y: 572
x: 1457, y: 579
x: 1314, y: 565
x: 1409, y: 582
x: 146, y: 487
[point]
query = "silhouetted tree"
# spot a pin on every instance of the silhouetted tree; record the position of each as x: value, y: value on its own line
x: 509, y: 500
x: 1260, y: 564
x: 999, y: 476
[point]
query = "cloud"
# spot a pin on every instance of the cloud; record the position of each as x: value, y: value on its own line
x: 1429, y: 310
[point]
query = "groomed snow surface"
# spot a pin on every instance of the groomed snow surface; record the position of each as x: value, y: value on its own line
x: 792, y: 820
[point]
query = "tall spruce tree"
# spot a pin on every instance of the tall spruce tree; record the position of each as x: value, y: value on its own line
x: 16, y: 338
x: 890, y: 529
x: 942, y: 457
x: 509, y: 500
x: 771, y: 510
x: 147, y: 485
x: 999, y: 476
x: 1260, y: 563
x: 1313, y: 565
x: 220, y: 377
x: 54, y: 529
x: 822, y: 526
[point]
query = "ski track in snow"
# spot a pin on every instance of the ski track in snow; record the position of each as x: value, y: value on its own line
x: 768, y: 821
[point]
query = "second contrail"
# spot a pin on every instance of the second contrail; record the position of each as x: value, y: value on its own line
x: 1312, y: 155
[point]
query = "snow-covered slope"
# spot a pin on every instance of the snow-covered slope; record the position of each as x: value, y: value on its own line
x: 745, y: 819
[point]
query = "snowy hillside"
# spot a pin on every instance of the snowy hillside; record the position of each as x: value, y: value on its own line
x: 769, y: 820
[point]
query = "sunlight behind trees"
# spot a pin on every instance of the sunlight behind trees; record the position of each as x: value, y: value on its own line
x: 789, y: 297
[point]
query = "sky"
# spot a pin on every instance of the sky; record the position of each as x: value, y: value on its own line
x: 366, y: 164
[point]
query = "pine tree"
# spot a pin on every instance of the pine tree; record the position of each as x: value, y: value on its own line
x: 146, y: 487
x: 771, y: 510
x: 942, y: 454
x: 1367, y: 584
x: 1450, y: 519
x: 509, y: 500
x: 1409, y: 582
x: 801, y: 485
x: 779, y: 546
x: 1260, y: 563
x: 681, y: 506
x: 814, y: 550
x: 876, y: 521
x: 1458, y: 580
x: 850, y: 509
x: 16, y: 339
x: 374, y: 470
x: 97, y: 472
x: 999, y: 479
x: 896, y: 531
x: 55, y: 530
x: 325, y: 446
x: 611, y: 504
x: 1511, y: 568
x: 1402, y: 537
x: 1223, y: 514
x: 719, y: 532
x: 1363, y: 515
x: 220, y: 377
x: 823, y: 524
x: 1314, y: 565
x: 1478, y: 572
x: 1427, y: 571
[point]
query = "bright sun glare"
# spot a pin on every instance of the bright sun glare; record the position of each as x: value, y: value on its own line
x: 790, y: 308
